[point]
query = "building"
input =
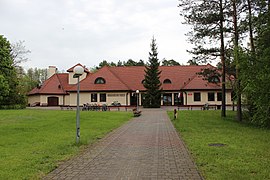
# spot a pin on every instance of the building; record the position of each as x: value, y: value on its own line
x: 182, y: 85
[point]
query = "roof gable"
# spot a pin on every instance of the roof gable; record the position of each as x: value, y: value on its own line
x: 85, y: 69
x: 56, y: 84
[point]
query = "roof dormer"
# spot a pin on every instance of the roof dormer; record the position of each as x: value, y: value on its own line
x: 71, y: 79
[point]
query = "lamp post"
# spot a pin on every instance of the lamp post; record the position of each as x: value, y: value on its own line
x: 78, y: 71
x: 137, y: 92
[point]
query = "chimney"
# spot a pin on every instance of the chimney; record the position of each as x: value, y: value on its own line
x: 51, y: 71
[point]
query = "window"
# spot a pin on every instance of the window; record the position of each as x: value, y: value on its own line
x: 102, y: 97
x: 143, y: 81
x: 211, y: 96
x: 94, y: 97
x: 167, y: 81
x: 100, y: 80
x: 197, y: 96
x: 178, y: 98
x: 219, y: 96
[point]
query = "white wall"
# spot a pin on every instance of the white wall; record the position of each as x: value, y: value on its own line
x: 85, y: 97
x: 204, y: 98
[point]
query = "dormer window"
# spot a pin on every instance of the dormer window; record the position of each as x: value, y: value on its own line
x: 100, y: 80
x: 167, y: 81
x: 143, y: 81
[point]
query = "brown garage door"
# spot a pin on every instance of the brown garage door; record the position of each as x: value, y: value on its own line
x: 53, y: 101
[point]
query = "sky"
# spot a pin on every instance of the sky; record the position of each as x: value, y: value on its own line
x: 63, y: 33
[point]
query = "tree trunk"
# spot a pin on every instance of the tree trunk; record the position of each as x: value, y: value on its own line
x: 222, y: 56
x: 236, y: 58
x: 250, y: 27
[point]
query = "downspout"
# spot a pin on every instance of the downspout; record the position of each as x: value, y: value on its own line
x: 127, y: 99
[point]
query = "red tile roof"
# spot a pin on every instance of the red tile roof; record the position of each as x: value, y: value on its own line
x: 197, y: 82
x: 180, y: 77
x: 129, y: 79
x: 56, y: 84
x: 112, y: 82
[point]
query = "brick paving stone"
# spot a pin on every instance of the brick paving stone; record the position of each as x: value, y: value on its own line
x: 147, y: 147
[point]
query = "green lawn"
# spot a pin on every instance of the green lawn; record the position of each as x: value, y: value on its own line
x: 33, y: 142
x: 246, y: 154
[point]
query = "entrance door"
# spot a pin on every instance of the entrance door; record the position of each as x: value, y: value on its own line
x: 167, y: 99
x: 133, y: 99
x: 178, y: 99
x: 53, y: 101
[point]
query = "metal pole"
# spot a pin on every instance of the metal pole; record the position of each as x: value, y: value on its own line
x: 137, y: 101
x: 78, y: 112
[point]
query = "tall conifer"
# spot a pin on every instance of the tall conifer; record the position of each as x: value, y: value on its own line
x: 151, y: 81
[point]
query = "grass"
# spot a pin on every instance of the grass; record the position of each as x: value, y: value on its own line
x: 246, y: 154
x: 33, y: 142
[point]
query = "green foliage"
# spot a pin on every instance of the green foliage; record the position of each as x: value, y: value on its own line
x: 246, y: 151
x: 192, y: 62
x: 4, y: 87
x: 209, y: 26
x: 32, y: 78
x: 152, y: 83
x: 129, y: 62
x: 170, y: 62
x: 212, y: 20
x: 206, y: 18
x: 255, y: 79
x: 255, y: 69
x: 8, y: 76
x: 34, y: 142
x: 211, y: 74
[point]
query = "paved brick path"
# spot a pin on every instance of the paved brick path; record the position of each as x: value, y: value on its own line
x: 147, y: 147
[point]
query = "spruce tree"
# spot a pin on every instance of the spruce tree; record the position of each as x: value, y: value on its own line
x: 151, y: 82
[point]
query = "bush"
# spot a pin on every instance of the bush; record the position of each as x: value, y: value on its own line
x: 16, y: 106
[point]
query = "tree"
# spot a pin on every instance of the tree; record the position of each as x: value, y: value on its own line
x: 170, y: 62
x: 18, y: 53
x: 255, y: 71
x: 33, y: 77
x: 119, y: 63
x: 192, y: 62
x: 130, y: 62
x: 140, y: 63
x: 152, y: 83
x: 208, y: 19
x: 102, y: 64
x: 235, y: 5
x: 4, y: 88
x: 8, y: 78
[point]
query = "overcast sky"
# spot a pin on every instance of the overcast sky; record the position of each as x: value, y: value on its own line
x: 66, y: 32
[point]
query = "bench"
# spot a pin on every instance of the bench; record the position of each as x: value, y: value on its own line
x: 136, y: 113
x: 208, y: 106
x: 65, y: 107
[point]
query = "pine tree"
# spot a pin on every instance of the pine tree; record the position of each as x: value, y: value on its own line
x: 152, y: 82
x: 208, y: 19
